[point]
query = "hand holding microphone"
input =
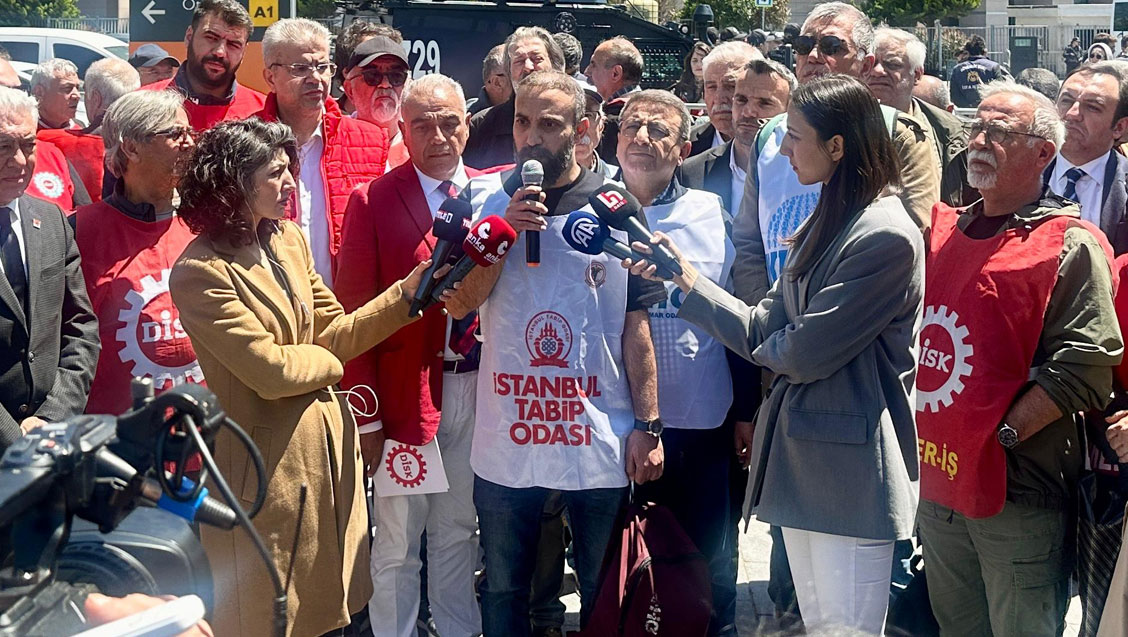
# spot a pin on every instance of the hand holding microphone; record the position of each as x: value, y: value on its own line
x: 532, y: 174
x: 485, y: 245
x: 620, y: 210
x: 586, y: 233
x: 451, y: 225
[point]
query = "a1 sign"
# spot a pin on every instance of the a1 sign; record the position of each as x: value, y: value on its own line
x: 166, y: 20
x: 764, y: 4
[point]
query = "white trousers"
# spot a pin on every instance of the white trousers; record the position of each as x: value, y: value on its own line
x: 840, y: 581
x: 452, y: 541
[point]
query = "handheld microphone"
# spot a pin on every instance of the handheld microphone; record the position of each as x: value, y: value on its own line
x: 586, y: 233
x: 532, y: 174
x: 451, y: 225
x: 619, y: 209
x: 485, y: 245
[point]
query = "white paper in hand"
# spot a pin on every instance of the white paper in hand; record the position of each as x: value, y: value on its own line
x: 410, y: 470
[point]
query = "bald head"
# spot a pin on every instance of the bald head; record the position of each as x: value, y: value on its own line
x: 8, y: 75
x: 933, y: 90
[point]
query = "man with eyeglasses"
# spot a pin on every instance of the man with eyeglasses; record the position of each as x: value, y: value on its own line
x: 527, y: 49
x: 48, y: 334
x: 374, y: 81
x: 695, y: 388
x: 1019, y: 335
x: 216, y: 41
x: 129, y: 241
x: 336, y: 153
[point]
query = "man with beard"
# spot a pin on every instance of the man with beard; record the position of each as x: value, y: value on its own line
x: 129, y: 241
x: 836, y: 38
x: 54, y: 84
x: 527, y: 49
x: 763, y: 90
x: 589, y: 329
x: 374, y: 81
x: 898, y: 66
x: 336, y: 153
x: 424, y: 398
x: 216, y: 41
x: 1004, y: 367
x: 695, y: 388
x: 720, y: 70
x: 1093, y: 103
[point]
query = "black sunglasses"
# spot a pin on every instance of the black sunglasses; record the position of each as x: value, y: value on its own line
x: 372, y: 77
x: 828, y: 45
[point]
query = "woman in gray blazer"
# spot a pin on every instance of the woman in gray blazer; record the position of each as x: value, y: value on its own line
x: 835, y: 442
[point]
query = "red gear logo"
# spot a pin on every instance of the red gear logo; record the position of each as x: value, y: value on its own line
x: 406, y: 466
x: 549, y: 340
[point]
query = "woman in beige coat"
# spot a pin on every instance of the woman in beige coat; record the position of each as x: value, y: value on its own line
x: 272, y: 341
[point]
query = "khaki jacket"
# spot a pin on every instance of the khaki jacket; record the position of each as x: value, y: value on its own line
x: 272, y: 362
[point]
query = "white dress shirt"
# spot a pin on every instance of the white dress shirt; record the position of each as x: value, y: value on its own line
x: 717, y: 139
x: 17, y: 229
x: 1090, y: 188
x: 314, y: 207
x: 739, y: 176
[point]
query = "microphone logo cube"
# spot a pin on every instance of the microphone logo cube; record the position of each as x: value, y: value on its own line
x: 584, y: 230
x: 611, y: 199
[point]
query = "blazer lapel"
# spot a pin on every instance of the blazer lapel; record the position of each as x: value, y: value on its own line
x: 718, y: 176
x: 256, y: 271
x: 1114, y: 196
x: 415, y: 202
x: 33, y: 249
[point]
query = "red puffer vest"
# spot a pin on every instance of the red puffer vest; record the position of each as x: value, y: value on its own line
x: 356, y: 152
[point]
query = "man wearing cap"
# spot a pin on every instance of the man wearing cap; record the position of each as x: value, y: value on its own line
x: 336, y: 153
x: 526, y: 50
x: 216, y: 41
x: 153, y: 63
x: 374, y: 82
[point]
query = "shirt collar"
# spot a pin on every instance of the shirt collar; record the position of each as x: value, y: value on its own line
x: 1048, y: 204
x: 673, y: 192
x: 1094, y: 169
x: 736, y: 169
x: 630, y: 88
x: 181, y: 82
x: 430, y: 184
x: 140, y: 211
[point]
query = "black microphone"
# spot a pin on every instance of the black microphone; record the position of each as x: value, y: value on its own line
x: 586, y: 233
x: 451, y: 225
x: 484, y: 246
x: 532, y: 174
x: 620, y: 210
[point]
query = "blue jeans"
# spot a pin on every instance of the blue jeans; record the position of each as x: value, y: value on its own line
x: 509, y: 521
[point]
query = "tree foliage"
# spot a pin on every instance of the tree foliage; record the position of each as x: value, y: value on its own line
x: 25, y: 12
x: 742, y: 14
x: 910, y: 12
x: 314, y: 9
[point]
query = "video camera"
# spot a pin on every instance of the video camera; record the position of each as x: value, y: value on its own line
x: 785, y: 52
x: 99, y: 469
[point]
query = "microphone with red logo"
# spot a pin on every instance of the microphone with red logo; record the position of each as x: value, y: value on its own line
x: 452, y: 222
x: 586, y: 233
x: 485, y: 245
x: 620, y: 210
x: 532, y: 174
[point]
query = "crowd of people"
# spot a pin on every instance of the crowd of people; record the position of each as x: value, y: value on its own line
x: 878, y: 327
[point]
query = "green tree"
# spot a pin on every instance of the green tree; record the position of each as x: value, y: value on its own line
x: 906, y: 13
x: 742, y: 14
x: 24, y: 12
x: 314, y: 9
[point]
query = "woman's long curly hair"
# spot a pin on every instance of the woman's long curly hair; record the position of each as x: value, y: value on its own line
x: 217, y: 188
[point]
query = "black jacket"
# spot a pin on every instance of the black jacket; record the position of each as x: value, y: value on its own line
x: 48, y: 355
x: 969, y: 76
x: 710, y: 171
x: 491, y: 138
x: 701, y: 137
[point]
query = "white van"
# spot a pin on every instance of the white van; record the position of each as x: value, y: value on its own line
x: 34, y: 45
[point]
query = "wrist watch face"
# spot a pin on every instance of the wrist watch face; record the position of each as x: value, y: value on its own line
x: 1008, y: 437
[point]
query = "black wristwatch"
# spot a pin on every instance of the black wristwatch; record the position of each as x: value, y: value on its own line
x: 652, y: 427
x: 1007, y: 435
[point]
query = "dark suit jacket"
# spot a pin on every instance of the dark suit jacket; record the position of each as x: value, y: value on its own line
x: 701, y: 136
x: 387, y: 233
x: 710, y: 171
x: 491, y: 137
x: 1114, y: 200
x: 48, y: 356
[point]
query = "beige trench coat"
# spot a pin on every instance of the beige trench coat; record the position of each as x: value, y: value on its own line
x: 272, y: 362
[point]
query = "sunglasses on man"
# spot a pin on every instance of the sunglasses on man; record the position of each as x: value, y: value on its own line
x: 373, y: 77
x: 829, y: 45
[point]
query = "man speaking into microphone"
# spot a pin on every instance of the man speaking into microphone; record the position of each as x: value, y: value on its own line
x: 567, y: 396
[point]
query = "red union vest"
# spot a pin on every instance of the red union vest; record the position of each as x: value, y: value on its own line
x: 126, y: 263
x: 85, y: 151
x: 984, y: 306
x: 51, y: 180
x: 244, y: 104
